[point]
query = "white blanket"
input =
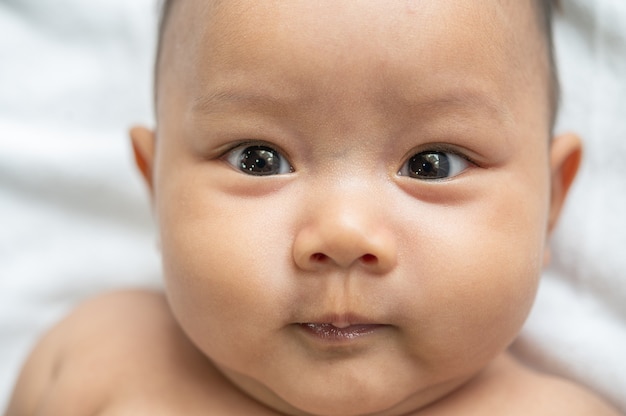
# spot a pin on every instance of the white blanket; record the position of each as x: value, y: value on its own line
x: 74, y: 217
x: 578, y: 325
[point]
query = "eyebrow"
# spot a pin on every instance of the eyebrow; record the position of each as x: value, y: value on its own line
x: 464, y: 98
x: 461, y: 99
x: 211, y: 103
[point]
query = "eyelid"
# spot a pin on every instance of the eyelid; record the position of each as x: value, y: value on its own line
x: 443, y: 148
x: 251, y: 142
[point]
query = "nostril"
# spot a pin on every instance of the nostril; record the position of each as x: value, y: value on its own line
x: 369, y: 259
x: 321, y: 258
x: 318, y: 257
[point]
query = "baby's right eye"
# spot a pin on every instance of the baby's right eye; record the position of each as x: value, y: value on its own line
x: 258, y: 160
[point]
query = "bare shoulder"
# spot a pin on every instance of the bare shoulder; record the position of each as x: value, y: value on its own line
x: 508, y: 387
x: 552, y: 395
x: 120, y: 354
x: 82, y: 358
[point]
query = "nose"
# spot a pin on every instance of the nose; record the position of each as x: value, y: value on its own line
x: 345, y: 233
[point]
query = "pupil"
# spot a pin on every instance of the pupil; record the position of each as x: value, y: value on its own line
x: 429, y: 165
x: 260, y: 160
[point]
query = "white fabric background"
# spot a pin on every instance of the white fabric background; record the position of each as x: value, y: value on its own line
x: 578, y: 325
x: 74, y: 217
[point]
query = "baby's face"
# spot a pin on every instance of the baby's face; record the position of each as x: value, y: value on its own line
x: 353, y: 197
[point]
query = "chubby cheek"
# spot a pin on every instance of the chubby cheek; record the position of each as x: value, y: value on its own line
x: 224, y: 272
x: 476, y: 279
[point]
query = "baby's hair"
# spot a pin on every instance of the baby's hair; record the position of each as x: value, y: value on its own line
x: 545, y: 9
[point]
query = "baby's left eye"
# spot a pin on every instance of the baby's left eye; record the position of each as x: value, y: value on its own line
x: 433, y: 165
x: 258, y: 160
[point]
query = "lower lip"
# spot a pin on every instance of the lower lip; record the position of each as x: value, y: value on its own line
x: 328, y: 332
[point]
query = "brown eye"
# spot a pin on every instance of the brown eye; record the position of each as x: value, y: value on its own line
x: 258, y: 160
x: 432, y: 165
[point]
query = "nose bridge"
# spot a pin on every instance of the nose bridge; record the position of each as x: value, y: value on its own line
x: 346, y: 227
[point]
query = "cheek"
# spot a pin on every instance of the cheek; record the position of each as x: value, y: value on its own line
x: 476, y: 279
x: 225, y: 269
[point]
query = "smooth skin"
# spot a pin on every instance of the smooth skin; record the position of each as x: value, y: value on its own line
x: 430, y: 278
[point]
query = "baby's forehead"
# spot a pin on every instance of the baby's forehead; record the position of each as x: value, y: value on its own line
x: 214, y: 9
x: 543, y: 9
x: 186, y: 26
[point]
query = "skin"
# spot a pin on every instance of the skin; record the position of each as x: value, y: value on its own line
x: 449, y: 267
x: 442, y: 272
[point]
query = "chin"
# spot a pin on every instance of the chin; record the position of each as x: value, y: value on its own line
x: 342, y: 407
x: 357, y: 399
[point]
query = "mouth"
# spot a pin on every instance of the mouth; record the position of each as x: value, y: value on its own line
x: 343, y: 332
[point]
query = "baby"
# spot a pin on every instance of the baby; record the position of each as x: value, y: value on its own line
x: 353, y: 200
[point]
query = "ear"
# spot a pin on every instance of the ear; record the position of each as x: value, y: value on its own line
x: 143, y: 148
x: 565, y: 157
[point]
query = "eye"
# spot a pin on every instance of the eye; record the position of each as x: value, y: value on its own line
x: 258, y: 160
x: 433, y: 165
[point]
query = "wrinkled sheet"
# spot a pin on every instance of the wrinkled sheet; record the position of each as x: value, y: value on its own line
x: 75, y: 218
